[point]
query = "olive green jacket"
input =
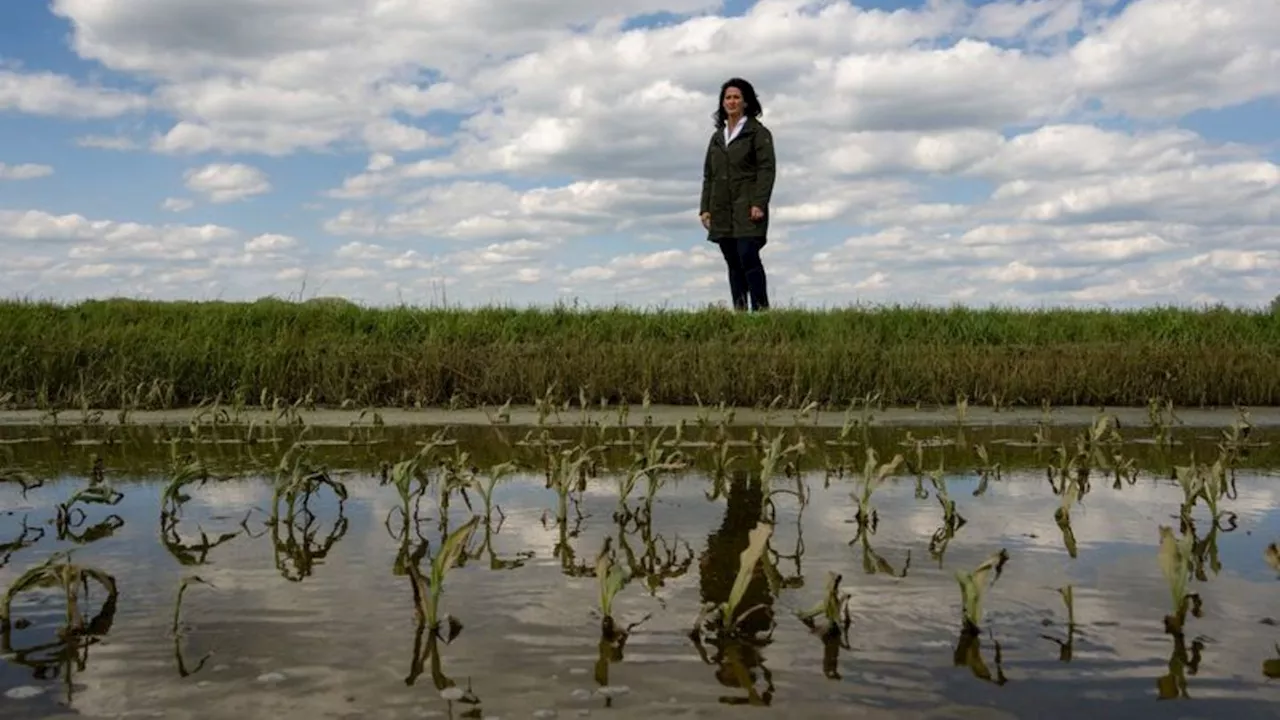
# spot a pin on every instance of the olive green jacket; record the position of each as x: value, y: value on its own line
x: 737, y: 177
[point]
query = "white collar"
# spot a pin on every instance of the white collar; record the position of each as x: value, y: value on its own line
x: 731, y: 133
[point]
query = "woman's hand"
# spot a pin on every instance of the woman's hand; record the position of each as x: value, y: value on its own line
x: 706, y: 220
x: 756, y: 214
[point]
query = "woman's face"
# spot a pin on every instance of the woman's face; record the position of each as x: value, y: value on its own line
x: 732, y: 101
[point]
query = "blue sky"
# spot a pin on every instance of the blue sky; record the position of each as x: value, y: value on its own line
x: 1213, y: 120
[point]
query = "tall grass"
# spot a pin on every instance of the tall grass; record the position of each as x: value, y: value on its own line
x: 117, y: 353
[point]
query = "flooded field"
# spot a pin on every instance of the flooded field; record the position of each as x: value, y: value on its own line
x: 375, y: 571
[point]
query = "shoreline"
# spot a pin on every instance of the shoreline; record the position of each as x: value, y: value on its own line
x: 661, y: 415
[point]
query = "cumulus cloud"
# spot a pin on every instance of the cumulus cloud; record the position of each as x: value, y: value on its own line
x: 161, y: 260
x: 49, y: 94
x: 1029, y: 151
x: 227, y: 182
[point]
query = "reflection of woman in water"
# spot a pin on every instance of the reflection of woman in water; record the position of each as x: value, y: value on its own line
x: 719, y: 563
x: 718, y: 567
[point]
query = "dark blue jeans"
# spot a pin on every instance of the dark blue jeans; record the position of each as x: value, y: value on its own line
x: 746, y: 272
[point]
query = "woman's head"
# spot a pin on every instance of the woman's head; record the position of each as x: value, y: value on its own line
x: 737, y: 94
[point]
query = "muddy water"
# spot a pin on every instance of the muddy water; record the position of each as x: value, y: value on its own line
x: 313, y: 621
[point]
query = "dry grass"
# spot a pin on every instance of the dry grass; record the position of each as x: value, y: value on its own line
x: 122, y: 353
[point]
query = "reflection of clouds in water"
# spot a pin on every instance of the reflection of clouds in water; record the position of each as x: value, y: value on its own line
x: 343, y: 637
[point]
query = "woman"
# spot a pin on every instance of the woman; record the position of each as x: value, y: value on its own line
x: 737, y: 182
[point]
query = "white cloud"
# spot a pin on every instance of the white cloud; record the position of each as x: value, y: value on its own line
x: 162, y: 260
x: 49, y: 94
x: 24, y: 171
x: 227, y: 182
x: 1030, y: 151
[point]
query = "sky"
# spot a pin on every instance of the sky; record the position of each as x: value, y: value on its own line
x: 1039, y: 153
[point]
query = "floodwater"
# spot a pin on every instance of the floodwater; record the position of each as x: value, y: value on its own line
x: 311, y: 618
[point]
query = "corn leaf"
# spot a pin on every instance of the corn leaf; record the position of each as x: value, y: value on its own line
x: 1173, y: 555
x: 453, y: 547
x: 974, y: 585
x: 758, y: 539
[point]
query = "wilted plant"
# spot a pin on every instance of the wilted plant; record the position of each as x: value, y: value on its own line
x: 611, y: 577
x: 723, y: 461
x: 1070, y: 494
x: 1175, y: 557
x: 1207, y: 483
x: 974, y: 585
x: 833, y: 609
x: 952, y: 520
x: 987, y: 470
x: 1160, y: 417
x: 565, y: 469
x: 873, y: 476
x: 58, y: 571
x: 496, y: 474
x: 774, y: 455
x: 428, y: 591
x: 1066, y: 647
x: 297, y: 478
x: 98, y: 492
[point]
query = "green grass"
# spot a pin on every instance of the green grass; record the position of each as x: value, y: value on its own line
x: 124, y: 353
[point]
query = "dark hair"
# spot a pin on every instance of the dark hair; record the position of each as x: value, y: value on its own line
x: 751, y: 103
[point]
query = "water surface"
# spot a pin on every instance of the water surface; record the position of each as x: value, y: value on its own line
x: 310, y: 619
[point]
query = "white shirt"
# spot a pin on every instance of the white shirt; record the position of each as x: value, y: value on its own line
x: 731, y: 133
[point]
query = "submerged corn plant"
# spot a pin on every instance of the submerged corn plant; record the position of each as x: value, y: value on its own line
x: 567, y: 470
x: 1208, y: 484
x: 987, y: 470
x: 68, y: 653
x: 725, y: 617
x: 1272, y: 556
x: 428, y: 590
x: 874, y: 475
x: 98, y: 492
x: 611, y: 578
x: 58, y: 571
x: 952, y: 520
x: 1176, y: 563
x: 829, y: 620
x: 833, y: 609
x: 973, y: 588
x: 1066, y: 647
x: 774, y: 455
x: 298, y: 479
x: 1070, y: 495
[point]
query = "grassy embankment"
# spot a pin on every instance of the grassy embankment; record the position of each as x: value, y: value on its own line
x: 155, y: 355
